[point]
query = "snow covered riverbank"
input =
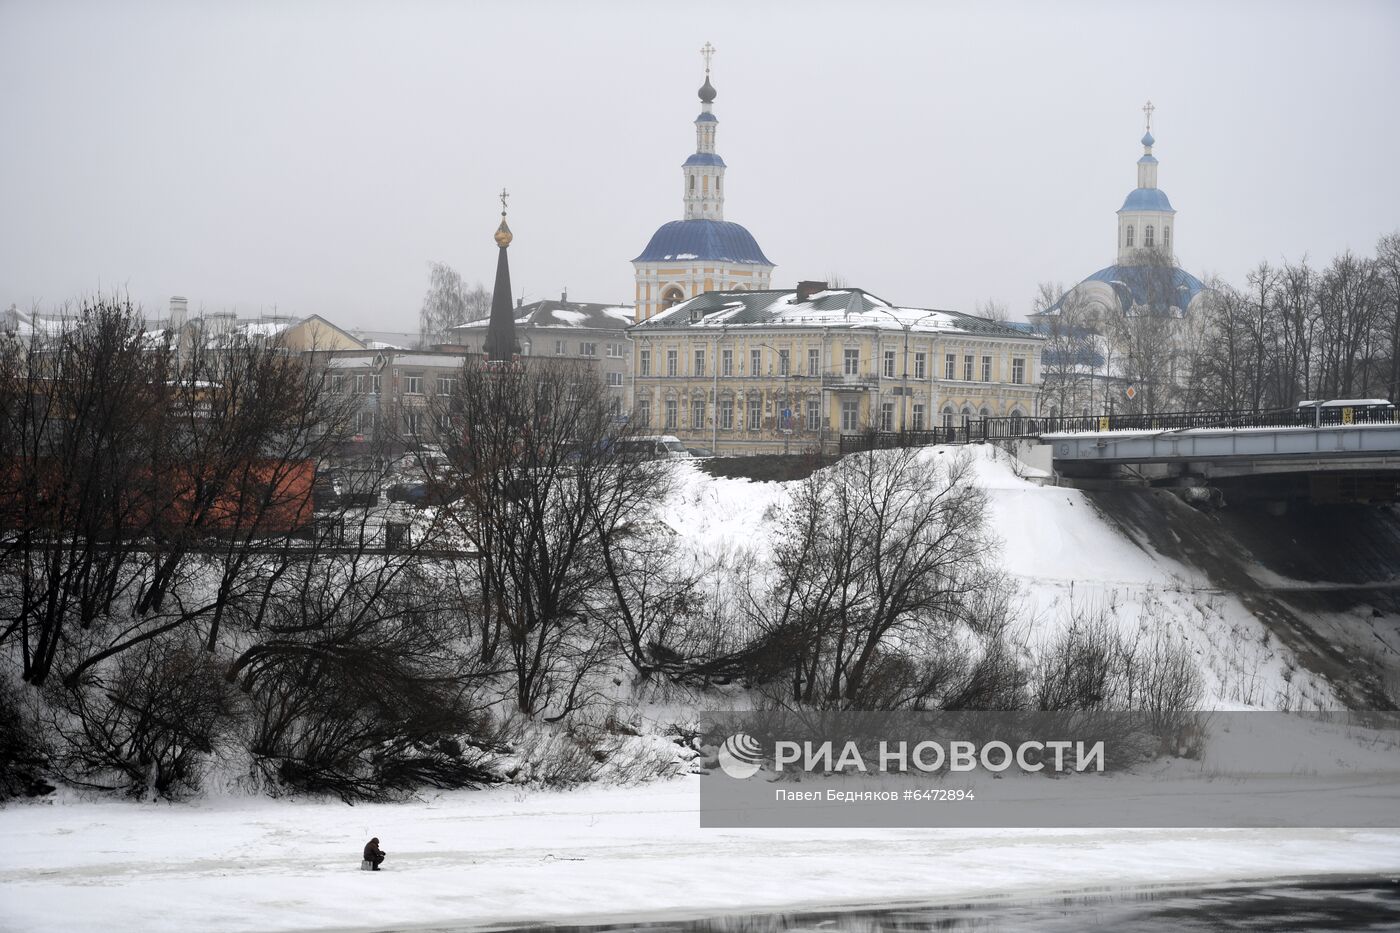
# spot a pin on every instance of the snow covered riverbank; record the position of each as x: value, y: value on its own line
x: 509, y: 855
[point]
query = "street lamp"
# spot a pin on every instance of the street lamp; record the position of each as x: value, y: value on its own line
x: 786, y: 363
x: 904, y: 379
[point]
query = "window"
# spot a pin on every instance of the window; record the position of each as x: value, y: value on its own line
x: 446, y: 385
x: 755, y: 362
x: 670, y: 298
x: 374, y: 383
x: 360, y: 382
x: 726, y: 362
x: 950, y: 366
x: 1018, y: 370
x: 966, y: 415
x: 644, y: 412
x: 920, y: 365
x: 986, y: 369
x: 1166, y: 238
x: 852, y: 357
x: 413, y: 422
x: 697, y: 413
x: 672, y: 415
x: 887, y: 416
x: 782, y: 362
x: 615, y: 407
x: 888, y: 367
x: 444, y: 423
x: 615, y: 379
x: 1147, y: 236
x: 850, y: 415
x: 413, y: 384
x: 967, y: 368
x: 338, y: 384
x: 644, y: 362
x: 1129, y: 240
x: 918, y: 417
x: 755, y: 414
x: 814, y: 362
x: 364, y: 422
x: 672, y: 362
x: 615, y: 350
x: 814, y: 415
x: 699, y: 363
x: 726, y: 413
x: 559, y: 348
x: 588, y: 349
x: 692, y: 183
x: 948, y: 416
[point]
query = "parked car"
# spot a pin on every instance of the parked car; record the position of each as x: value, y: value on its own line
x: 700, y: 452
x: 654, y: 447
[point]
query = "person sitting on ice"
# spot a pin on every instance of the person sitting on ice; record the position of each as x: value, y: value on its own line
x: 373, y: 854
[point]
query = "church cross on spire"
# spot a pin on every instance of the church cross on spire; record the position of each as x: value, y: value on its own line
x: 503, y: 195
x: 1147, y: 108
x: 707, y: 51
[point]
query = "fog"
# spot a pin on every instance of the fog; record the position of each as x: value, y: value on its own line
x: 314, y: 157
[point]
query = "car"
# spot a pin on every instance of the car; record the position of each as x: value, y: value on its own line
x: 653, y: 447
x: 700, y: 452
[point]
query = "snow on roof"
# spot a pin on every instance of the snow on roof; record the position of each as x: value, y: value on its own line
x: 849, y: 308
x: 580, y: 314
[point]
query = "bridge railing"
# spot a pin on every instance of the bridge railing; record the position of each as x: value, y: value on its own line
x: 993, y: 429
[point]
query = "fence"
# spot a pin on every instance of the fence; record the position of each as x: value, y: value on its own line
x: 975, y: 430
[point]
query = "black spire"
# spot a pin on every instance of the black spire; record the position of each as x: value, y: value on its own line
x: 501, y: 345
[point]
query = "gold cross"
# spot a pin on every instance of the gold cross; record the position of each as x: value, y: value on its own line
x: 1147, y: 109
x: 707, y: 51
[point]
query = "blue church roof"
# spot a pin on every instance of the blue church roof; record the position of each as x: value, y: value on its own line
x: 1146, y: 199
x: 1140, y: 285
x: 707, y: 118
x: 704, y: 158
x: 719, y: 240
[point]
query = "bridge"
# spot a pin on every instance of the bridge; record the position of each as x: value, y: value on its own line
x: 1336, y: 454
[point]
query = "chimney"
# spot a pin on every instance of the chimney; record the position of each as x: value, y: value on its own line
x: 806, y: 290
x: 179, y: 310
x: 564, y: 295
x: 520, y: 302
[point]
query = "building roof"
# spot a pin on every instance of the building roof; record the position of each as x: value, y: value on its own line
x: 1145, y: 285
x: 849, y: 308
x: 1147, y: 199
x: 717, y: 240
x: 581, y: 314
x: 704, y: 158
x: 707, y: 118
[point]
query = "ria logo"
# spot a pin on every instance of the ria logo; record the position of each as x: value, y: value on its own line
x: 740, y: 756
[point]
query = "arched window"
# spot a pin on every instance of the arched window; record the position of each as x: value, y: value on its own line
x: 1130, y: 236
x: 1166, y: 238
x: 717, y: 181
x: 967, y: 415
x: 671, y: 297
x: 1016, y: 417
x: 692, y: 184
x: 1147, y: 237
x: 948, y: 416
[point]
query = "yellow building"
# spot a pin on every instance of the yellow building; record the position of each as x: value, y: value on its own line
x: 768, y: 371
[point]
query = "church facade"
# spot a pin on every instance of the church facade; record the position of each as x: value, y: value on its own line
x: 702, y: 252
x: 1114, y: 339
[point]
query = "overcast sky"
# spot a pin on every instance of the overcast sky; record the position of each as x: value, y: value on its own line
x: 314, y: 157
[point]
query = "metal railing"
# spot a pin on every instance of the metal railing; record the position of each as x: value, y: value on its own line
x: 976, y: 430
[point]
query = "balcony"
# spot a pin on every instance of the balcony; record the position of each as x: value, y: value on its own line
x: 837, y: 382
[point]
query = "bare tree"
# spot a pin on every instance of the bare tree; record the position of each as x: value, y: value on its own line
x: 448, y: 302
x: 548, y: 500
x: 993, y: 310
x: 875, y: 555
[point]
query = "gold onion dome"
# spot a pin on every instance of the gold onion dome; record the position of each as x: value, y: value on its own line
x: 503, y: 234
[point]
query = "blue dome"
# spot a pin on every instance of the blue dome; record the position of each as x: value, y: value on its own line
x: 1147, y: 139
x: 707, y: 118
x: 718, y: 240
x: 1147, y: 199
x: 1149, y: 285
x: 704, y: 158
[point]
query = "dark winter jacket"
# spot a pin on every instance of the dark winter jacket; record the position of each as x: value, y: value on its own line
x: 372, y: 852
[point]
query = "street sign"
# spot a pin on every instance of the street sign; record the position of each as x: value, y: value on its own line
x: 1130, y: 392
